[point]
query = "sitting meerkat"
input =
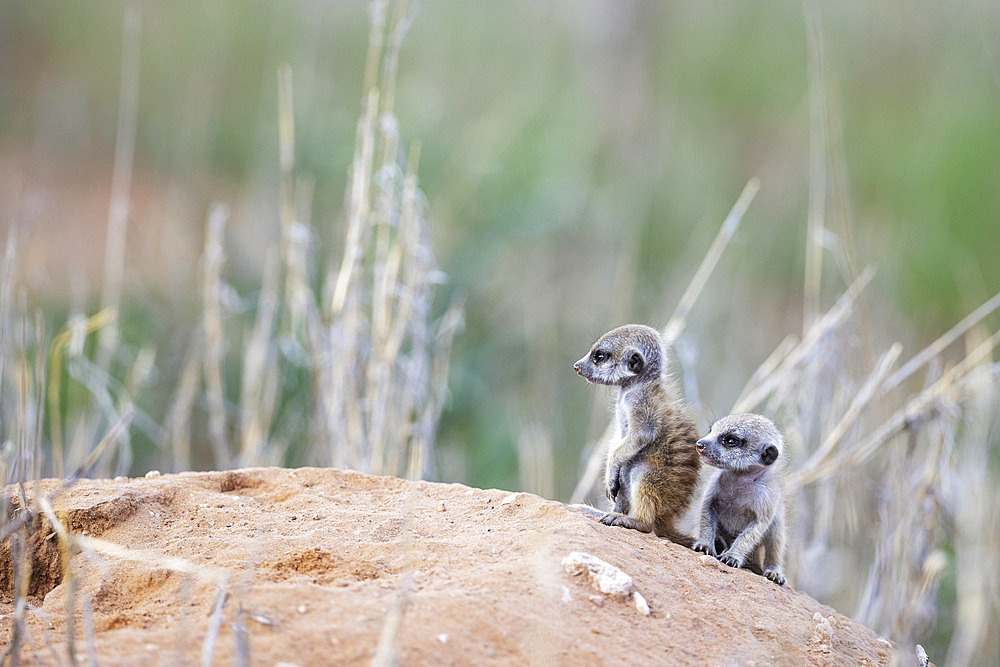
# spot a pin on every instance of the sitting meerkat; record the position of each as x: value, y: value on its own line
x: 743, y: 510
x: 652, y: 468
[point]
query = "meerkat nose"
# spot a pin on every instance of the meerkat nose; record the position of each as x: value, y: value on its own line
x: 701, y: 444
x: 576, y: 367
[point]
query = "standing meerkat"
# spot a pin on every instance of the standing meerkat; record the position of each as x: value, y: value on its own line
x: 743, y: 510
x: 652, y: 467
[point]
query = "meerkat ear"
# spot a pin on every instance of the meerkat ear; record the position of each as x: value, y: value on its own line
x: 769, y: 455
x: 636, y: 363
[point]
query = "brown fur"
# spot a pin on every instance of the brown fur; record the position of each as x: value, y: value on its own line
x: 652, y: 468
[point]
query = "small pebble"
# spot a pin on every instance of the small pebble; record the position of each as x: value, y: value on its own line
x: 640, y: 603
x: 596, y: 599
x: 441, y: 507
x: 443, y: 639
x: 152, y: 473
x: 303, y: 609
x: 509, y: 499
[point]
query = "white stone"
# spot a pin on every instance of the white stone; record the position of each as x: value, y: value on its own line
x: 605, y: 577
x: 640, y: 603
x: 509, y: 499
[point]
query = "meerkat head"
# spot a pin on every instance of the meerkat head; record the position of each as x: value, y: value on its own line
x: 742, y: 443
x: 623, y: 356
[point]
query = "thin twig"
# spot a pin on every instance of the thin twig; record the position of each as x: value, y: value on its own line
x: 939, y: 345
x: 729, y: 226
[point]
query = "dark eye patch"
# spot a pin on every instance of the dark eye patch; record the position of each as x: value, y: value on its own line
x: 730, y: 440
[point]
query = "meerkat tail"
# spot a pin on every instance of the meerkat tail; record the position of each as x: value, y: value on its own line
x: 586, y: 509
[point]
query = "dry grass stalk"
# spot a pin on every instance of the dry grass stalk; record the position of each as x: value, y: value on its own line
x: 821, y: 459
x: 88, y: 630
x: 675, y: 326
x: 379, y: 381
x: 68, y: 579
x: 21, y: 562
x: 178, y: 420
x: 260, y: 370
x: 215, y: 623
x: 536, y: 468
x: 948, y: 387
x: 212, y: 361
x: 121, y: 179
x: 975, y: 509
x: 815, y: 223
x: 59, y: 345
x: 933, y: 350
x: 387, y: 649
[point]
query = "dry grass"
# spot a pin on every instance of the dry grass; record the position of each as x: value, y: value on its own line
x: 359, y: 350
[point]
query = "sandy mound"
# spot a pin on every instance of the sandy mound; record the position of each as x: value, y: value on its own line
x: 314, y: 561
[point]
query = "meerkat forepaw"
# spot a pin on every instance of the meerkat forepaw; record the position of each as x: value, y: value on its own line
x: 704, y: 547
x: 731, y: 560
x: 775, y: 575
x: 613, y: 485
x: 611, y: 519
x: 616, y: 519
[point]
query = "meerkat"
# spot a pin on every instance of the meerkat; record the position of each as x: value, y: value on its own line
x: 652, y: 467
x: 743, y: 509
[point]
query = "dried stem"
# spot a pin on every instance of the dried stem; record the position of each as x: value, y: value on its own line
x: 121, y: 179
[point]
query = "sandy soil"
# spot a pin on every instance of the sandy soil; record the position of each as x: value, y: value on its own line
x: 317, y: 564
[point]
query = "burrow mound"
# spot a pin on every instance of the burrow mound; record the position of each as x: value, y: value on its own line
x: 307, y: 565
x: 87, y: 514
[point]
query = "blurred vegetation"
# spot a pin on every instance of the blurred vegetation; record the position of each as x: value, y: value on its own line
x: 576, y: 160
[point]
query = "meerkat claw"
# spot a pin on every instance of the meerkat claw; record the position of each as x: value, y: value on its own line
x: 730, y: 561
x: 775, y: 575
x: 704, y: 548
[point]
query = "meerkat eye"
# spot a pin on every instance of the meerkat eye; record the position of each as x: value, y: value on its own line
x: 731, y: 441
x: 635, y: 363
x: 599, y: 356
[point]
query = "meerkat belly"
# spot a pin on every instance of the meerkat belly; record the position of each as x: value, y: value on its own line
x: 635, y: 478
x: 733, y: 519
x: 734, y: 514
